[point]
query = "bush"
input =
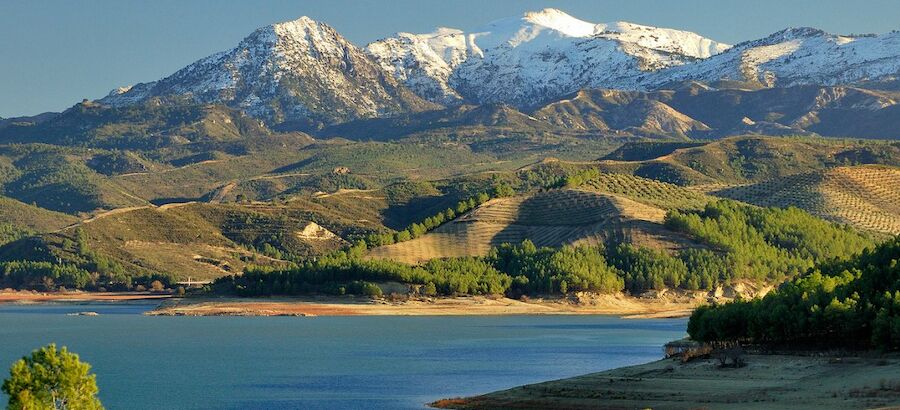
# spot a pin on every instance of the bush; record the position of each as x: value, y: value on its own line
x: 157, y: 286
x: 365, y: 289
x: 430, y: 289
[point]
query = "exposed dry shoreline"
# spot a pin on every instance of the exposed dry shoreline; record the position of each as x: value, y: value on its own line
x: 767, y: 382
x: 655, y: 306
x: 10, y: 296
x: 475, y: 305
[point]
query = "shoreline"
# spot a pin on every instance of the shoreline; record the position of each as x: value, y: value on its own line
x: 618, y: 305
x: 626, y: 306
x: 768, y: 381
x: 27, y: 297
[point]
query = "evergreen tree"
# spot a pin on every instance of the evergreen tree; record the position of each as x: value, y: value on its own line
x: 51, y: 379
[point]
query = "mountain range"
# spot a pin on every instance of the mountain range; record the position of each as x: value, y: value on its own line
x: 304, y: 75
x: 297, y: 142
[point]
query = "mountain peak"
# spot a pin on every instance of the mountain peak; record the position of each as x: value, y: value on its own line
x: 799, y: 32
x: 520, y: 60
x: 560, y: 21
x: 304, y: 71
x: 304, y: 23
x: 300, y: 72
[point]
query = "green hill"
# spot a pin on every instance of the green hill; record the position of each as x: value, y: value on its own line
x: 551, y: 218
x: 32, y: 218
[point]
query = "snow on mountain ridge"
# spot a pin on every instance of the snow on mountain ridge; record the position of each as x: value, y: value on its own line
x: 304, y: 72
x: 296, y: 71
x: 423, y: 62
x: 663, y: 39
x: 523, y: 60
x: 796, y: 56
x: 560, y: 21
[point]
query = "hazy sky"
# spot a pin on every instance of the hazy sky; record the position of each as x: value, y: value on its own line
x: 53, y: 53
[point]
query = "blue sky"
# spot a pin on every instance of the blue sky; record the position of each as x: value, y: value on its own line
x: 53, y: 53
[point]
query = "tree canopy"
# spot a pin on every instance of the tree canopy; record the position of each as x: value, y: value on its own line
x: 852, y: 303
x: 51, y: 379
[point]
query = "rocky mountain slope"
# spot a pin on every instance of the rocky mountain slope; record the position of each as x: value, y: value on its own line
x: 298, y: 71
x: 796, y: 56
x: 696, y: 110
x: 525, y: 60
x: 304, y: 75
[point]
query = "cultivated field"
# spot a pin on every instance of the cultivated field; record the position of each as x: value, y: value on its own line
x: 866, y: 197
x: 660, y: 194
x: 551, y: 218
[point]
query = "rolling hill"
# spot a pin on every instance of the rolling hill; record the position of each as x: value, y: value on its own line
x: 551, y: 218
x: 31, y: 217
x: 867, y: 197
x: 196, y: 240
x: 744, y: 159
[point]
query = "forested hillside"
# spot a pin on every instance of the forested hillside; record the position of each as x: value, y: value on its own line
x: 745, y: 244
x: 850, y: 303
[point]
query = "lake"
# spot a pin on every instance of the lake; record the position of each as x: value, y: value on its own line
x: 361, y: 362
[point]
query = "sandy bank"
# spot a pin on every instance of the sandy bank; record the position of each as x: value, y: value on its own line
x: 476, y: 305
x: 7, y: 296
x: 767, y: 382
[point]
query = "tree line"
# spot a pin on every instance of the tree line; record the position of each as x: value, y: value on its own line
x: 418, y: 229
x: 851, y: 303
x: 742, y: 242
x: 81, y: 268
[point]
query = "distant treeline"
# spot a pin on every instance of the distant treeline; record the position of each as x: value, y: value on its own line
x: 509, y: 269
x: 744, y: 243
x: 83, y: 268
x: 852, y: 303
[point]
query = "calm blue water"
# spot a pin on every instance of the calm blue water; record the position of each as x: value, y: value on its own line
x: 386, y: 362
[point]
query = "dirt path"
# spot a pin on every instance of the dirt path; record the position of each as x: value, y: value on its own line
x: 343, y: 191
x: 117, y: 211
x: 104, y: 215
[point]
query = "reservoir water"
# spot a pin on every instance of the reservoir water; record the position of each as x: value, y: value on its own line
x: 363, y: 362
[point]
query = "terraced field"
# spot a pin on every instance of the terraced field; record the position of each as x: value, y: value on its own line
x: 866, y: 197
x: 551, y: 218
x: 660, y: 194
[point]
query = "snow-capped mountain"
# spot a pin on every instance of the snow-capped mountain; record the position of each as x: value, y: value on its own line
x: 303, y: 74
x: 300, y: 71
x: 525, y: 60
x: 796, y: 56
x: 424, y: 62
